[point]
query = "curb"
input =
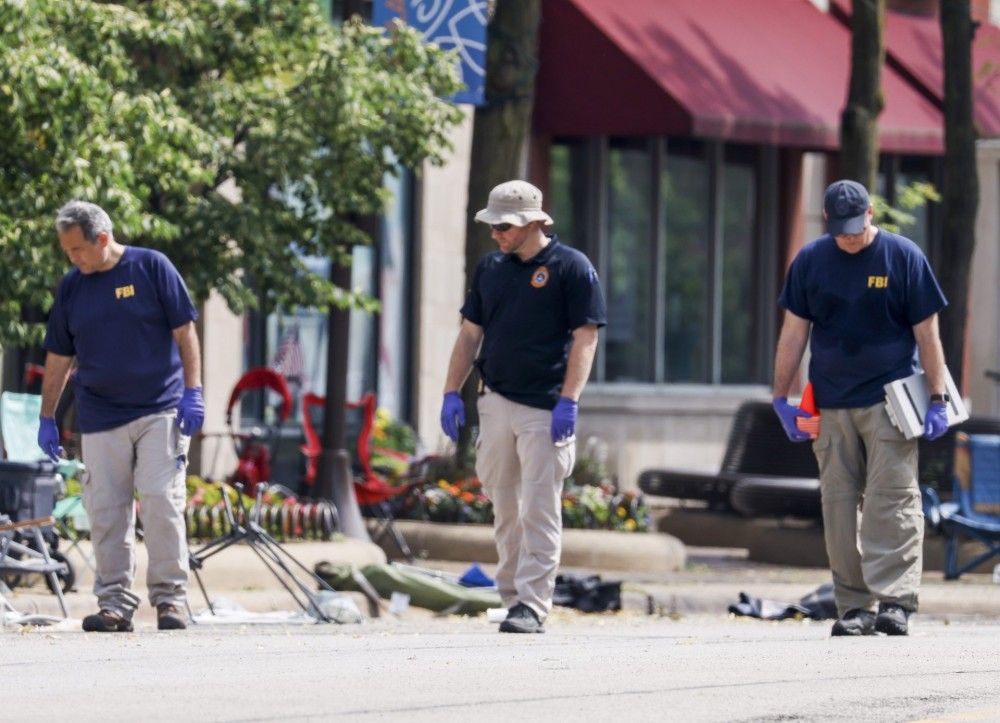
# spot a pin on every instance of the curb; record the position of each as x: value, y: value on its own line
x: 787, y: 541
x: 598, y: 549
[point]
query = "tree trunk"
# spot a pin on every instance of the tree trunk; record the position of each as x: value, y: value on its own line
x: 858, y: 122
x: 961, y: 183
x: 500, y: 130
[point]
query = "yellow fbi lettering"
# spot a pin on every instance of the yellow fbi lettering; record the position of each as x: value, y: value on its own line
x: 124, y: 292
x: 878, y: 282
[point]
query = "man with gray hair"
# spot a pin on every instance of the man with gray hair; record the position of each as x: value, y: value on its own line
x: 125, y: 315
x: 532, y: 315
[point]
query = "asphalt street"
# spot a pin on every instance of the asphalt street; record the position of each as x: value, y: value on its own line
x: 585, y: 668
x: 672, y: 654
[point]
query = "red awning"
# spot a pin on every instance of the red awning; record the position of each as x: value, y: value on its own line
x: 766, y: 71
x: 913, y: 45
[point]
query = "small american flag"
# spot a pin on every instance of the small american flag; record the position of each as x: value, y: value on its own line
x: 288, y: 358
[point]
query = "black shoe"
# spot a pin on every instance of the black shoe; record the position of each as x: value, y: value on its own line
x: 107, y: 621
x: 856, y: 621
x: 521, y: 619
x: 170, y: 617
x: 892, y: 619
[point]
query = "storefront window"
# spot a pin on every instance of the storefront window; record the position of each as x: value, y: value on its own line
x: 739, y: 273
x: 914, y: 170
x: 680, y: 249
x: 295, y: 342
x: 395, y: 319
x: 567, y: 192
x: 684, y: 188
x: 629, y: 293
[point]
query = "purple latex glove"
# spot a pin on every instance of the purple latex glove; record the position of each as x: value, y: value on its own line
x: 452, y: 415
x: 48, y: 438
x: 563, y: 419
x: 191, y: 411
x: 787, y: 413
x: 936, y: 421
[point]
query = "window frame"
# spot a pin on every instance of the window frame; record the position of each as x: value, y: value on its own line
x: 596, y: 243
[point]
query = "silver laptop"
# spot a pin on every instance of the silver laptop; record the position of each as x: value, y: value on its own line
x: 906, y: 402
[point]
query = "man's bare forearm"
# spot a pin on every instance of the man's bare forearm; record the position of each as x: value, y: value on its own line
x: 788, y: 356
x: 190, y: 350
x: 931, y: 353
x: 462, y: 355
x: 581, y: 359
x: 57, y: 369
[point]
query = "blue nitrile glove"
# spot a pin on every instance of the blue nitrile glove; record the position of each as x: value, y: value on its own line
x: 48, y: 438
x: 563, y: 419
x: 787, y: 413
x: 191, y: 411
x: 452, y: 414
x: 936, y: 421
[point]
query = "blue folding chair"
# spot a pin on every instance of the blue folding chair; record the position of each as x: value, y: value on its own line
x: 19, y: 414
x: 974, y: 513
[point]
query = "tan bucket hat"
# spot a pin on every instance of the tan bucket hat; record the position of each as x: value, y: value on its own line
x: 515, y: 202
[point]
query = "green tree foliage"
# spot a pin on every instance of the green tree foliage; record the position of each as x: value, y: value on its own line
x: 152, y: 107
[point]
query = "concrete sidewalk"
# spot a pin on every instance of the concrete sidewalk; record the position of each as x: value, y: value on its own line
x: 706, y: 581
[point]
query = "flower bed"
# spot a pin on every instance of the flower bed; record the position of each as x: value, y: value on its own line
x: 589, y: 507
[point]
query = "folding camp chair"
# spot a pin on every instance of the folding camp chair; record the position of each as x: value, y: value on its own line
x: 18, y: 558
x: 974, y: 513
x: 28, y: 480
x: 373, y: 492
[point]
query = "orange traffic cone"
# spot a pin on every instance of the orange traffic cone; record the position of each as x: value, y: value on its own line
x: 808, y: 404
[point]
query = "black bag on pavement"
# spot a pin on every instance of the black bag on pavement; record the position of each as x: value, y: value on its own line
x: 588, y: 594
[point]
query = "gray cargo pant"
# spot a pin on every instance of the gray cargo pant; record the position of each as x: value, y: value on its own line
x: 877, y: 555
x: 148, y: 456
x: 522, y: 473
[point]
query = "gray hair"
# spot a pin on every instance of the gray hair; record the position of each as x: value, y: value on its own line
x: 91, y: 218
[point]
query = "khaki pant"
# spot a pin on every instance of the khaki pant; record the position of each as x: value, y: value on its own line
x: 148, y: 456
x: 875, y: 554
x: 522, y: 473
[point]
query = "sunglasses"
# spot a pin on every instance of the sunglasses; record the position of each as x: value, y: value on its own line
x: 502, y: 227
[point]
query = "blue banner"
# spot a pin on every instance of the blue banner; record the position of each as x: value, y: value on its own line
x: 453, y: 25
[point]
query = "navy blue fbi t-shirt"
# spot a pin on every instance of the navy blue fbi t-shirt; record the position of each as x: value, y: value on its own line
x: 528, y: 311
x: 119, y: 325
x: 863, y: 308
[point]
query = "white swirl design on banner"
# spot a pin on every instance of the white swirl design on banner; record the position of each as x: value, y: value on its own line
x: 440, y: 22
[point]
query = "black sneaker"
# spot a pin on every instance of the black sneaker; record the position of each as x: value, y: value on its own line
x: 892, y: 619
x: 856, y: 621
x: 521, y: 619
x: 107, y: 621
x: 170, y: 617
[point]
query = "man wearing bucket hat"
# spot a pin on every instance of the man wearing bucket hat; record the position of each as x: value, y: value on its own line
x: 866, y: 300
x: 532, y: 314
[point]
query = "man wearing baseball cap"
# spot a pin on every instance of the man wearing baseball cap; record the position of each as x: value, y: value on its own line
x: 532, y: 315
x: 867, y: 302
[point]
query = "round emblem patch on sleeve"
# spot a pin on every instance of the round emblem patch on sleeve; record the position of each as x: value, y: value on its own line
x: 540, y: 277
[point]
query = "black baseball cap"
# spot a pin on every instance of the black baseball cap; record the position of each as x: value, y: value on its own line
x: 846, y: 204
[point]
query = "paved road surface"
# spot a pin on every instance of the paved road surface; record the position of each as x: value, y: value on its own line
x: 629, y: 667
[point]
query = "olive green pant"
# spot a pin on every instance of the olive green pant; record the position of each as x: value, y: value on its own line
x: 872, y: 515
x: 522, y: 473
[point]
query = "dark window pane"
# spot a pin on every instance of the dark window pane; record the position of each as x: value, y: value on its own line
x: 567, y: 201
x: 914, y: 170
x: 739, y: 209
x: 630, y: 303
x: 685, y: 193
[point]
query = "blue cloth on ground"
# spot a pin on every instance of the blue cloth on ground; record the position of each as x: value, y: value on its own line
x: 475, y: 577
